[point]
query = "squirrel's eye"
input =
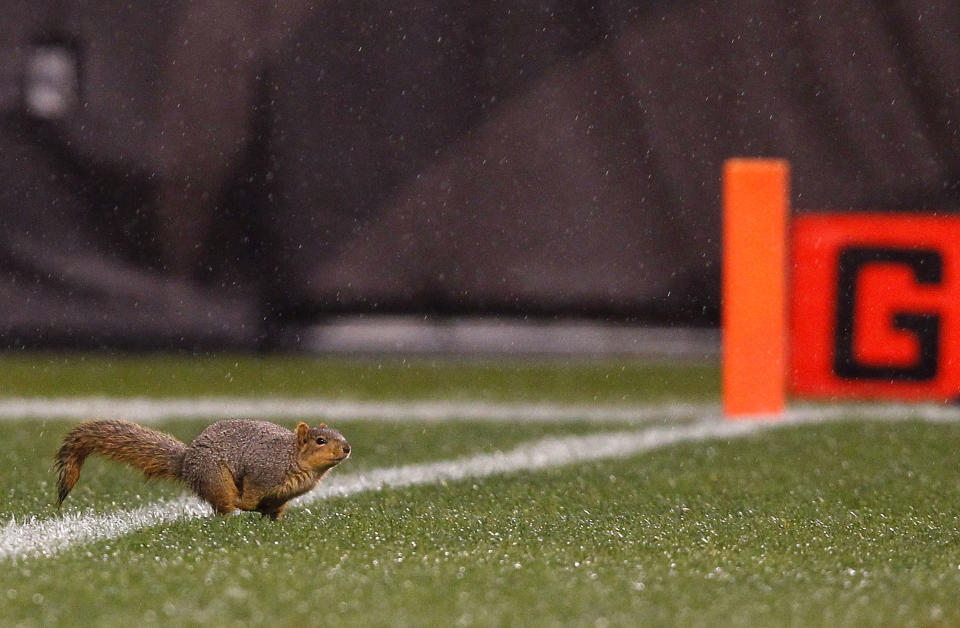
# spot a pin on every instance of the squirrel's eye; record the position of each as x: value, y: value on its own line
x: 321, y: 441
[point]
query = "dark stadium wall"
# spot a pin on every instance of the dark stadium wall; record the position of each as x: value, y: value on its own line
x: 224, y: 169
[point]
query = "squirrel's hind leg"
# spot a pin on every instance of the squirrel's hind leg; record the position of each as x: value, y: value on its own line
x: 251, y: 495
x: 219, y: 490
x: 264, y: 501
x: 257, y: 498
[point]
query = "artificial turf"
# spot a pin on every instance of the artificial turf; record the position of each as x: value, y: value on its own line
x: 171, y: 375
x: 844, y: 523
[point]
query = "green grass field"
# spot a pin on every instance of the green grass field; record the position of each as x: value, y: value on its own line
x: 849, y: 522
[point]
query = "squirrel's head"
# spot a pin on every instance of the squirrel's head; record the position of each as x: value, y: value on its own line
x: 321, y: 447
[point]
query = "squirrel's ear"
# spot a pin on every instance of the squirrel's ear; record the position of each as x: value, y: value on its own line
x: 322, y: 425
x: 302, y: 429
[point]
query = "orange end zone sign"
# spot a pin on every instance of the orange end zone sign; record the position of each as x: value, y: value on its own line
x: 833, y: 305
x: 875, y: 306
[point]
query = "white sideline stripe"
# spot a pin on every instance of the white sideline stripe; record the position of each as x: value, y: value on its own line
x: 146, y: 410
x: 567, y: 450
x: 540, y: 454
x: 47, y: 537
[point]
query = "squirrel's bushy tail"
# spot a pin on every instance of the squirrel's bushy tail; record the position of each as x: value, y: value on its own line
x: 157, y: 454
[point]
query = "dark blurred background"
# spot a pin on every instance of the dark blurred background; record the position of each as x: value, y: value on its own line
x: 216, y: 173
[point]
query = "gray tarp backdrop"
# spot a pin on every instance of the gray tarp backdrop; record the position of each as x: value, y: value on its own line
x: 202, y: 173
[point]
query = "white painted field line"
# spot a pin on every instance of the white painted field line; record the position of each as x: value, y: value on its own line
x: 540, y: 454
x: 146, y: 410
x: 47, y: 537
x: 50, y: 536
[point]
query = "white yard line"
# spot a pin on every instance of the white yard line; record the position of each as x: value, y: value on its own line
x: 50, y: 536
x: 47, y: 537
x: 146, y: 410
x: 531, y: 456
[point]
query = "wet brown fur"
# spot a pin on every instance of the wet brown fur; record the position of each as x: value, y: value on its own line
x: 157, y: 454
x: 235, y: 464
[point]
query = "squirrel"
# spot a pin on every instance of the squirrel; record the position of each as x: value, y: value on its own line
x: 234, y: 464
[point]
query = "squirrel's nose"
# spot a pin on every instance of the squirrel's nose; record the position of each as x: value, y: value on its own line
x: 346, y: 448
